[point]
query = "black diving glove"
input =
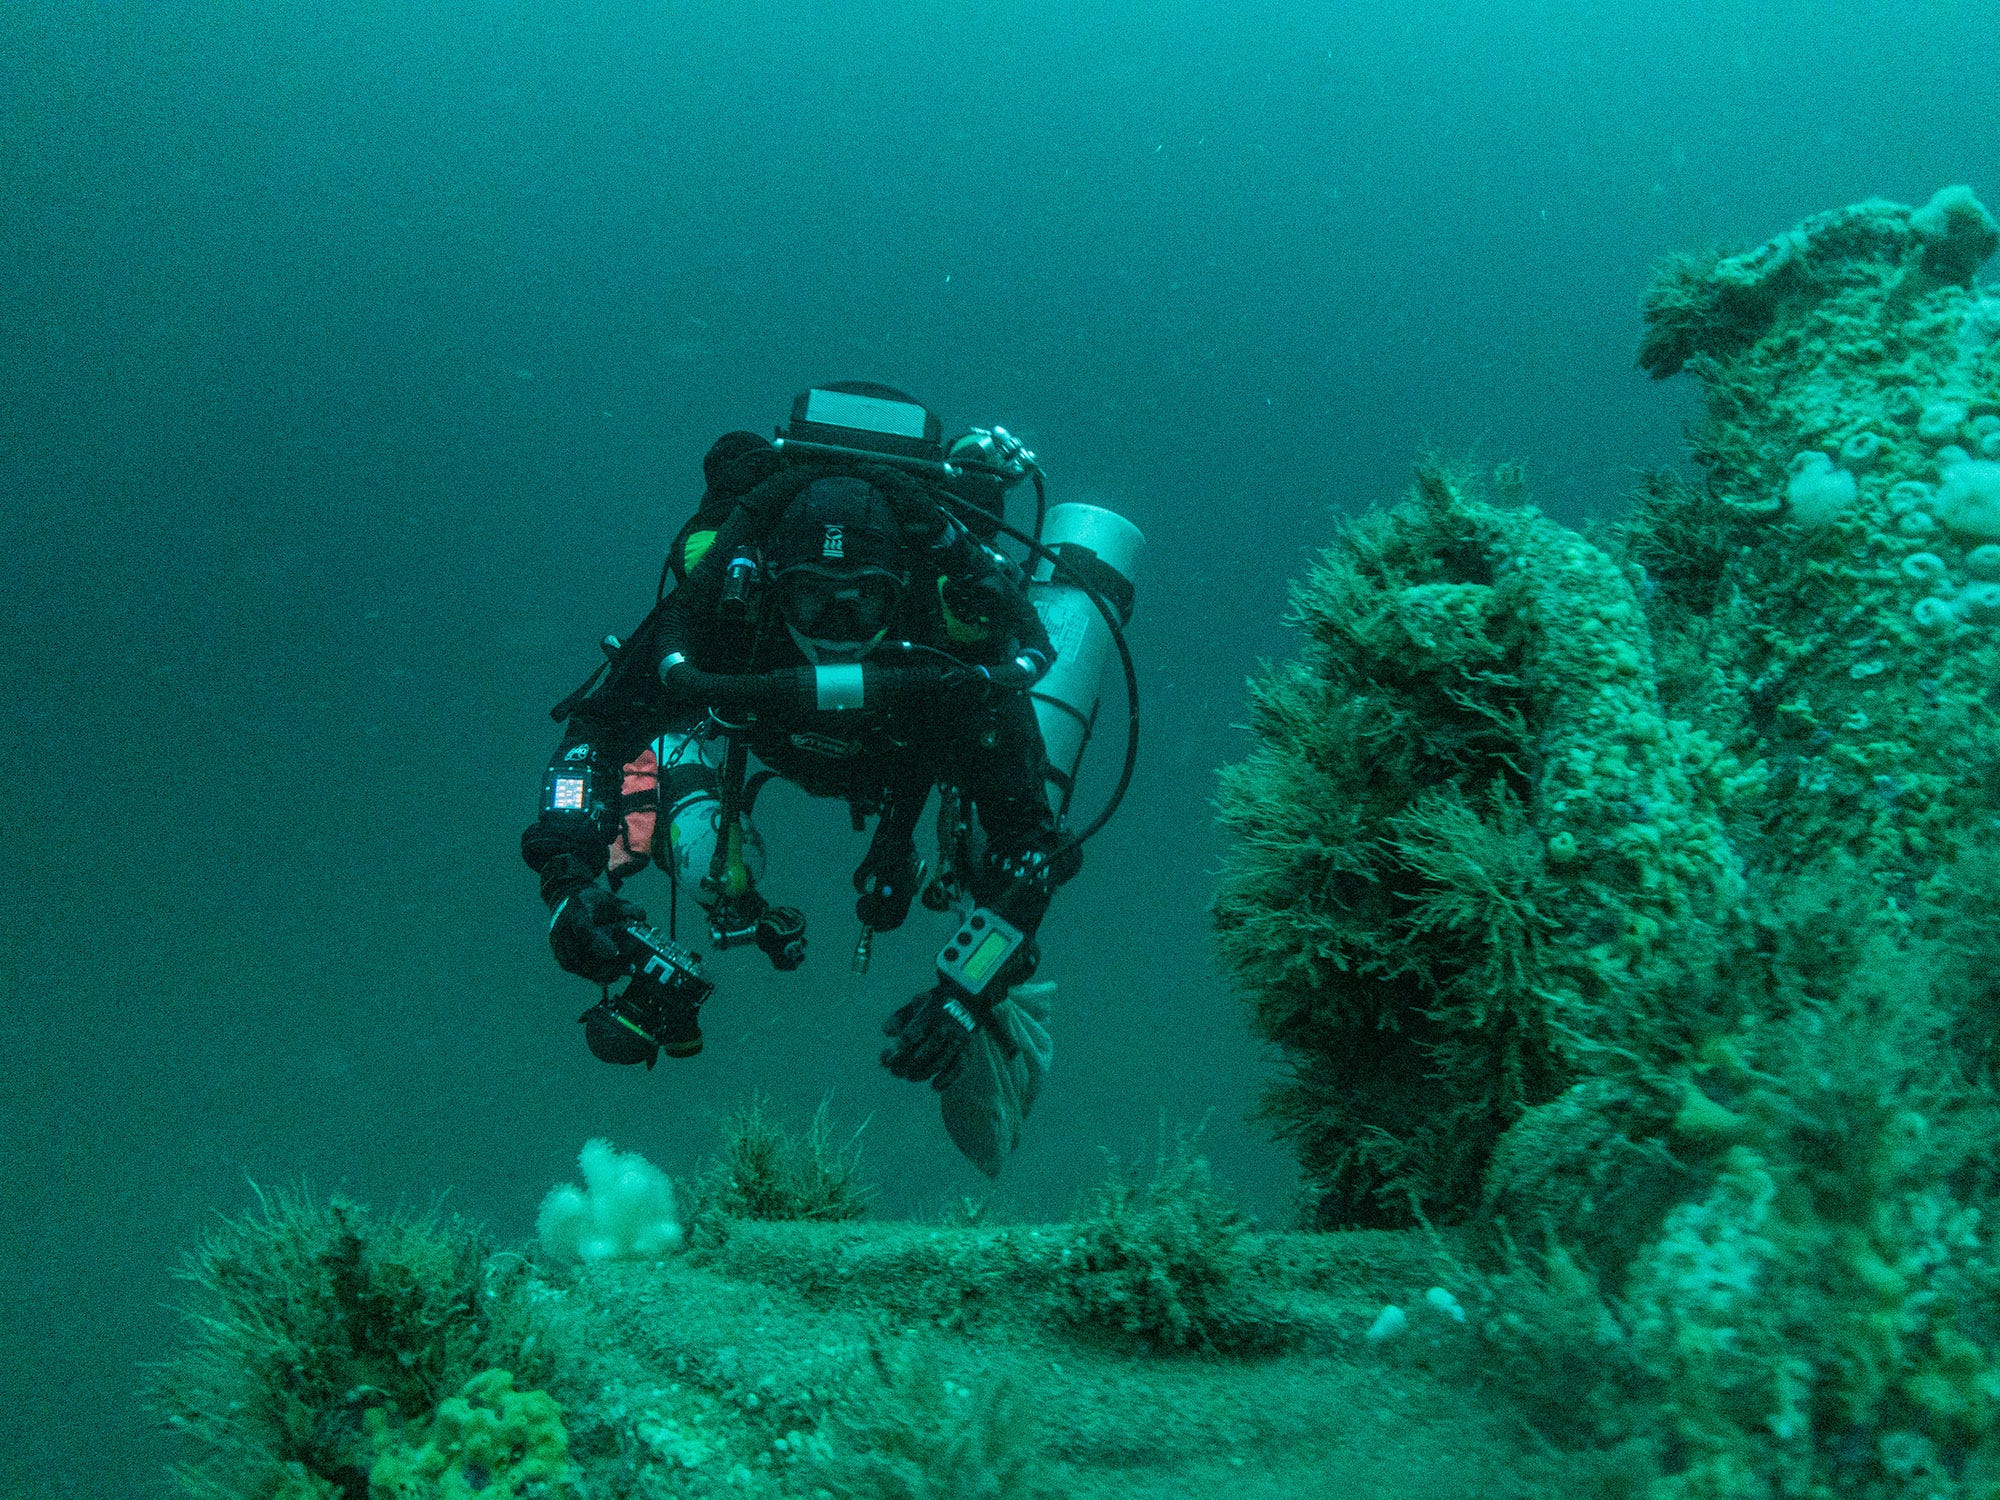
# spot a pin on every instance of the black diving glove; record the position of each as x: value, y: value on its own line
x: 931, y: 1034
x: 887, y: 888
x: 585, y: 933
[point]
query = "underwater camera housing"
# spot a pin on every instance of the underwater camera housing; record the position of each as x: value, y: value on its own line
x: 851, y: 425
x: 659, y: 1010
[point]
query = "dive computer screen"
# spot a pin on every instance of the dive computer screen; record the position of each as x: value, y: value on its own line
x: 984, y: 959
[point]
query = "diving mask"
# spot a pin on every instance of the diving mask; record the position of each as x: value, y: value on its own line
x: 850, y: 606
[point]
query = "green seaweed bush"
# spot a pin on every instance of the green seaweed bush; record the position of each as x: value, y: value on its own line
x: 314, y: 1328
x: 1158, y: 1259
x: 765, y: 1171
x: 1633, y: 902
x: 917, y: 1434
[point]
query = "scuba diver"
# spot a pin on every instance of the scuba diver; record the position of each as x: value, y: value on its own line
x: 837, y: 609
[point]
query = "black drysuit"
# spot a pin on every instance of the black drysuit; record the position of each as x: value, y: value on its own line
x: 982, y: 741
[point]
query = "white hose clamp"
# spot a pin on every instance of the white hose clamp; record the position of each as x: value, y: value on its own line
x: 838, y: 687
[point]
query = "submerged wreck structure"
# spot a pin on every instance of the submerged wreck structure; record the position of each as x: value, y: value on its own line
x: 1627, y: 907
x: 1631, y: 900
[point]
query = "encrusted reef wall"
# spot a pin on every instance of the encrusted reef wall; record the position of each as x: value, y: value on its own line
x: 1470, y: 839
x: 1633, y: 900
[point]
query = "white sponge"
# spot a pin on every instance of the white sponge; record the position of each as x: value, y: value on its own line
x: 1968, y: 499
x: 624, y: 1212
x: 1819, y: 494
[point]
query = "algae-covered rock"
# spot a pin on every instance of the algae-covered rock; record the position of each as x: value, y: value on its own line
x: 316, y: 1327
x: 1714, y: 305
x: 1849, y: 651
x: 1821, y: 1317
x: 1468, y: 840
x: 1732, y: 1101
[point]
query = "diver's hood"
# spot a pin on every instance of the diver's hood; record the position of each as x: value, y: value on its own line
x: 838, y: 521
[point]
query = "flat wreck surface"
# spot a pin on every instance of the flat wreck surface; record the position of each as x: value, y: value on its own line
x: 755, y: 1364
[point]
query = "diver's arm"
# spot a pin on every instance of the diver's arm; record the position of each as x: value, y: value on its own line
x: 1002, y: 769
x: 569, y: 844
x: 999, y: 764
x: 1000, y: 761
x: 686, y: 618
x: 985, y: 612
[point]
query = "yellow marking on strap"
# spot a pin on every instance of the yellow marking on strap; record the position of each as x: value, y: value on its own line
x: 955, y: 629
x: 737, y: 877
